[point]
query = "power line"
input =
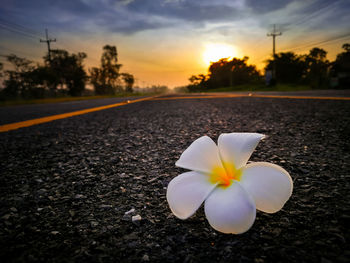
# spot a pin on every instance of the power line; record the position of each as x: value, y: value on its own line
x: 274, y: 34
x: 64, y: 45
x: 310, y: 44
x: 303, y: 20
x: 312, y: 15
x: 18, y: 52
x: 14, y: 30
x: 48, y: 41
x: 20, y: 28
x: 332, y: 39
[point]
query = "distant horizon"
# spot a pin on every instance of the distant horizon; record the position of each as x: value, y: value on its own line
x: 165, y: 42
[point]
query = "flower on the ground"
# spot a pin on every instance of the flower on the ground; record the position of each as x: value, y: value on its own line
x: 230, y: 188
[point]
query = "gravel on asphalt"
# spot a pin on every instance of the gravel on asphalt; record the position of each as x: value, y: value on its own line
x: 10, y: 114
x: 92, y: 188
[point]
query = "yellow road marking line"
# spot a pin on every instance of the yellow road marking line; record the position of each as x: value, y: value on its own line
x: 300, y: 97
x: 201, y: 97
x: 22, y: 124
x: 254, y: 95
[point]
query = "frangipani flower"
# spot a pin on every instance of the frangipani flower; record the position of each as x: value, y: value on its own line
x: 230, y: 188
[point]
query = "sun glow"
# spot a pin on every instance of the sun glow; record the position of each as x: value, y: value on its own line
x: 215, y: 52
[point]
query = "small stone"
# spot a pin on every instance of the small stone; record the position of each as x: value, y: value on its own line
x: 136, y: 218
x: 13, y: 209
x: 94, y: 223
x: 54, y: 233
x: 145, y: 257
x: 130, y: 211
x: 42, y: 191
x: 106, y: 206
x: 6, y: 217
x: 131, y: 236
x: 79, y: 196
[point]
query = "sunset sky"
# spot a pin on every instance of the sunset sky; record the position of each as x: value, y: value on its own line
x: 166, y: 41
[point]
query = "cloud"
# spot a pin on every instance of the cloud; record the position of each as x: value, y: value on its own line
x: 124, y: 16
x: 187, y: 10
x: 265, y: 6
x: 125, y: 2
x: 132, y: 16
x: 318, y: 15
x: 120, y: 22
x: 80, y: 15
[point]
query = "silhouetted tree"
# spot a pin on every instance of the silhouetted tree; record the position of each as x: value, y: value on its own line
x: 1, y: 70
x: 18, y: 82
x: 341, y: 68
x: 66, y: 69
x: 198, y: 82
x: 106, y: 78
x: 290, y: 68
x: 225, y: 73
x: 317, y: 68
x: 129, y: 81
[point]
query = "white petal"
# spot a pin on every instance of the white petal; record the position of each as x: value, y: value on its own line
x: 269, y: 184
x: 186, y: 193
x: 230, y: 210
x: 202, y: 156
x: 236, y: 148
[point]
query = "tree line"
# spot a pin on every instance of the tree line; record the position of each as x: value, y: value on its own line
x: 312, y: 69
x: 63, y: 73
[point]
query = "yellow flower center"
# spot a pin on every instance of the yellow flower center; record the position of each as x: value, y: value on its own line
x: 225, y: 175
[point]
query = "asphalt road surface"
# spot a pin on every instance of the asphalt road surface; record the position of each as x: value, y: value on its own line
x: 26, y: 112
x: 66, y: 184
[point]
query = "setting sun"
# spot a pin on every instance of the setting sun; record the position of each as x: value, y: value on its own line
x: 215, y: 52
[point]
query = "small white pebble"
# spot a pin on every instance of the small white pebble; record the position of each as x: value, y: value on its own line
x: 136, y: 218
x: 130, y: 211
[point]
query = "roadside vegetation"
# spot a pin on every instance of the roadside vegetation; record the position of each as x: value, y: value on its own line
x: 62, y: 77
x: 287, y: 71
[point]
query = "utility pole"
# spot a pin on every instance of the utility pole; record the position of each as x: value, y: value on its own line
x: 274, y: 34
x: 48, y: 41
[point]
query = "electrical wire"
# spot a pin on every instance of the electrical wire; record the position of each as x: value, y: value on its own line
x: 20, y: 28
x: 312, y: 15
x: 318, y: 43
x: 14, y: 30
x: 19, y: 52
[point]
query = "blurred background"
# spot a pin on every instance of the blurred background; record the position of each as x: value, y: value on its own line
x: 107, y: 47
